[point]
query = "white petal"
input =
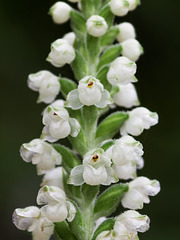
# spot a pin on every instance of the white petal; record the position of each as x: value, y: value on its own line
x: 76, y: 176
x: 127, y: 31
x: 73, y: 100
x: 54, y: 177
x: 111, y: 178
x: 71, y: 211
x: 131, y: 49
x: 96, y: 26
x: 105, y: 100
x: 93, y: 176
x: 55, y: 213
x: 60, y: 12
x: 133, y: 199
x: 70, y: 37
x: 60, y: 129
x: 125, y: 172
x: 75, y: 127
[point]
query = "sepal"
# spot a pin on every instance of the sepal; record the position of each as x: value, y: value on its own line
x: 67, y: 86
x: 107, y: 225
x: 62, y: 231
x: 109, y: 36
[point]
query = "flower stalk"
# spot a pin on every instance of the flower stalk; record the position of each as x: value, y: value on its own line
x: 103, y: 59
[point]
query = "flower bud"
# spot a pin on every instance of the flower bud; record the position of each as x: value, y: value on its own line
x: 133, y: 4
x: 46, y: 84
x: 61, y: 53
x: 70, y: 37
x: 119, y: 7
x: 131, y: 49
x: 139, y: 191
x: 121, y: 71
x: 139, y: 119
x: 96, y: 26
x: 60, y: 12
x: 127, y: 31
x: 127, y: 96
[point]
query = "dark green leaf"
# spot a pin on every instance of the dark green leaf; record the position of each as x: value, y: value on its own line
x: 110, y: 36
x: 78, y: 22
x: 107, y: 225
x: 63, y: 231
x: 69, y: 159
x: 110, y: 126
x: 109, y: 200
x: 109, y: 55
x: 102, y: 76
x: 79, y: 66
x: 67, y: 85
x: 93, y: 48
x: 89, y: 193
x: 106, y: 13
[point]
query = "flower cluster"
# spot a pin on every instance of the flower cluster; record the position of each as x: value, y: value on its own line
x: 105, y: 77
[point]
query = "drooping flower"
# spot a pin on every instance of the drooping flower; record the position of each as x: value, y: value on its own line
x: 60, y: 12
x: 46, y: 84
x: 96, y: 26
x: 41, y: 154
x: 132, y: 49
x: 126, y: 31
x: 121, y: 71
x: 61, y: 53
x: 96, y: 169
x: 139, y: 119
x: 58, y: 124
x: 126, y: 96
x: 139, y: 191
x: 90, y: 92
x: 32, y: 220
x: 119, y: 7
x: 54, y: 177
x: 57, y: 208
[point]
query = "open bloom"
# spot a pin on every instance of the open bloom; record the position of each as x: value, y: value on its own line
x: 54, y: 177
x: 126, y: 96
x: 32, y: 220
x: 46, y: 84
x: 126, y: 31
x: 90, y: 92
x: 126, y: 227
x: 60, y: 12
x: 121, y: 71
x: 139, y: 119
x: 96, y: 26
x: 132, y: 49
x: 61, y: 53
x: 96, y: 169
x: 119, y: 7
x: 139, y: 191
x: 57, y: 208
x: 40, y: 153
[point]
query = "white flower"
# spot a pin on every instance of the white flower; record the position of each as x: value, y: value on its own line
x: 40, y: 153
x: 131, y: 49
x: 139, y: 119
x: 70, y: 37
x: 60, y: 12
x: 126, y: 96
x: 96, y: 169
x: 127, y: 31
x: 32, y: 220
x: 61, y: 53
x: 74, y: 0
x: 46, y: 84
x: 139, y: 191
x: 133, y: 4
x: 54, y: 177
x: 107, y: 235
x: 121, y: 71
x: 90, y: 92
x: 96, y: 26
x: 119, y: 7
x: 57, y: 208
x: 58, y: 124
x: 129, y: 223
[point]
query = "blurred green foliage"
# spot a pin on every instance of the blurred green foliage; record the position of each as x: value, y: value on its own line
x: 26, y: 33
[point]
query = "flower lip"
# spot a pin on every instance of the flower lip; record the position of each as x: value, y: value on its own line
x: 90, y: 84
x: 95, y: 158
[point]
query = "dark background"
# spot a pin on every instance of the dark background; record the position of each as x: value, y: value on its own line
x: 26, y: 32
